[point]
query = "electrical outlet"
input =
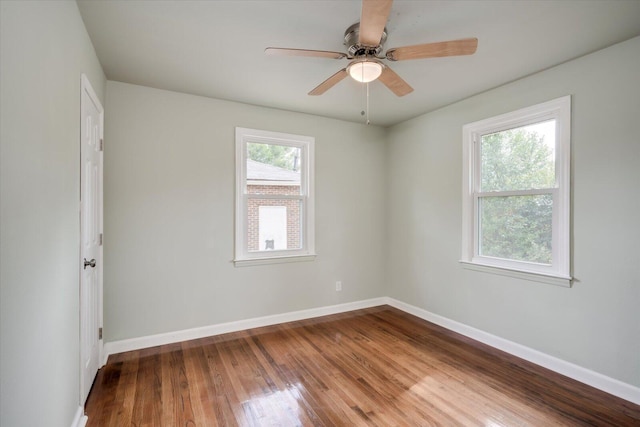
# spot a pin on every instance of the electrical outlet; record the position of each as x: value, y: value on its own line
x: 338, y: 286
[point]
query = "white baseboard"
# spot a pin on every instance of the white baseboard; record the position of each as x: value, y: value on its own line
x: 578, y: 373
x: 115, y: 347
x: 80, y: 419
x: 594, y: 379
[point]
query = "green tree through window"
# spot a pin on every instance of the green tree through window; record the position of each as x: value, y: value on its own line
x: 517, y: 227
x: 516, y: 159
x: 281, y: 156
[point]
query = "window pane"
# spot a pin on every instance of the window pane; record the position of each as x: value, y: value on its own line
x: 519, y: 159
x: 274, y: 224
x: 516, y: 227
x: 273, y: 169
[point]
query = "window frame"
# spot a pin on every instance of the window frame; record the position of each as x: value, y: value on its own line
x: 306, y: 145
x: 559, y: 271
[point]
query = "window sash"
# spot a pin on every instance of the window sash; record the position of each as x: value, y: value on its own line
x: 260, y: 137
x: 512, y: 263
x: 534, y: 120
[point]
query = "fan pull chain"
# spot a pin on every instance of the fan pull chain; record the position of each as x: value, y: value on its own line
x: 367, y: 99
x: 368, y: 122
x: 365, y: 112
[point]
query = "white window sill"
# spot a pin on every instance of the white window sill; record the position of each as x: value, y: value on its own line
x: 564, y: 281
x: 273, y: 260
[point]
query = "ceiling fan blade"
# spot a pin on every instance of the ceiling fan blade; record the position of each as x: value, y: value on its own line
x: 329, y: 83
x: 282, y: 51
x: 394, y: 82
x: 433, y: 50
x: 373, y: 18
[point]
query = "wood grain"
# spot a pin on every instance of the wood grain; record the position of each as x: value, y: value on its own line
x: 329, y: 83
x: 373, y: 18
x: 394, y: 82
x: 372, y: 367
x: 283, y: 51
x: 433, y: 50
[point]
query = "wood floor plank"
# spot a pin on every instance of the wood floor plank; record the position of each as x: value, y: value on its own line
x: 293, y: 409
x: 372, y: 367
x: 125, y: 393
x: 199, y: 379
x: 224, y: 397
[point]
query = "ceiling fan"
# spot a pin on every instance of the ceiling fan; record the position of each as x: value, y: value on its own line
x: 365, y: 40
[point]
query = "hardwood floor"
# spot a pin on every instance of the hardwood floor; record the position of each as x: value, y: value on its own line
x: 377, y: 366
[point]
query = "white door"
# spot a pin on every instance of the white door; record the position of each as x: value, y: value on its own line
x: 91, y: 117
x: 272, y: 227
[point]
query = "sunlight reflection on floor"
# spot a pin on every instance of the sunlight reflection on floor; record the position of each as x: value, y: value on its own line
x: 278, y: 408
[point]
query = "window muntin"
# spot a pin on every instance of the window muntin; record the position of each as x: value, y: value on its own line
x: 516, y: 190
x: 274, y: 195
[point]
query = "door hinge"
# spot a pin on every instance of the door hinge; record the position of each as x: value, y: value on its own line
x: 100, y: 240
x: 99, y: 333
x: 101, y: 144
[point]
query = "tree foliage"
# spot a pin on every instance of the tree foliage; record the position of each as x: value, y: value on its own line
x: 516, y: 227
x: 276, y: 155
x: 516, y: 160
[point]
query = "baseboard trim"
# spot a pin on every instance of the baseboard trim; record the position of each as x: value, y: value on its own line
x: 121, y: 346
x: 80, y: 419
x: 594, y: 379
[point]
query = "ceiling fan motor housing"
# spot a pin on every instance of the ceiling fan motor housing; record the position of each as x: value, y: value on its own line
x: 355, y: 49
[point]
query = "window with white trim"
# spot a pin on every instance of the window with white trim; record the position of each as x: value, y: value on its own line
x: 274, y: 197
x: 516, y: 193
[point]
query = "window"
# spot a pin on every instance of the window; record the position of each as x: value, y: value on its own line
x: 274, y: 197
x: 516, y: 193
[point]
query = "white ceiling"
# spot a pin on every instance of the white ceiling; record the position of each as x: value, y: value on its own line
x: 216, y: 48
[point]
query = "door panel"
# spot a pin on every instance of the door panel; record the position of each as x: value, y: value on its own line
x: 90, y: 230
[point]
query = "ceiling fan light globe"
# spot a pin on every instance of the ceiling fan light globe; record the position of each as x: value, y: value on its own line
x: 365, y: 71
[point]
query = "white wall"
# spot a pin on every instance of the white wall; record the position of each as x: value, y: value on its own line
x: 44, y: 49
x: 169, y: 216
x: 594, y: 324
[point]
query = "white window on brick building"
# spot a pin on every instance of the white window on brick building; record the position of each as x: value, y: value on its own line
x: 274, y: 197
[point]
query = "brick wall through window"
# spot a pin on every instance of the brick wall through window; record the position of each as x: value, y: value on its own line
x: 292, y: 209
